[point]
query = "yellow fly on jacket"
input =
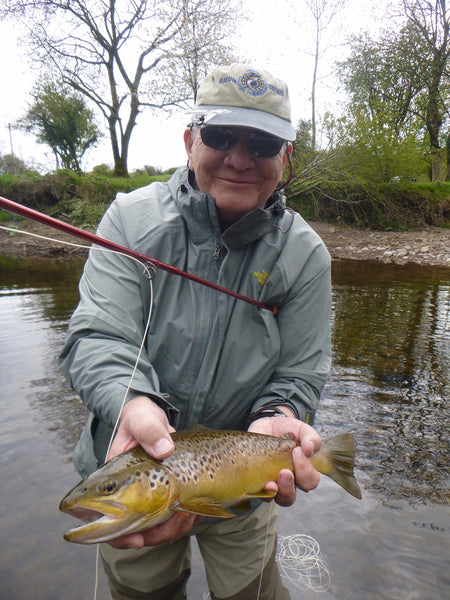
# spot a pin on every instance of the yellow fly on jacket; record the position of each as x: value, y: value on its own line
x: 208, y: 473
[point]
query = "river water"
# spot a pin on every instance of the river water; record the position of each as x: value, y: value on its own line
x: 389, y: 385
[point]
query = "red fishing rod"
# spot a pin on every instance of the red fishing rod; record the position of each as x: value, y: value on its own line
x: 34, y: 215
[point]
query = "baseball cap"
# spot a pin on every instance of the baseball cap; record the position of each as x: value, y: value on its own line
x: 240, y: 95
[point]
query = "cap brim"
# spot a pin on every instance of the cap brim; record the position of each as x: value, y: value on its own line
x: 245, y: 117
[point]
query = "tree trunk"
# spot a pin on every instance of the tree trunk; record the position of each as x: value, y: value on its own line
x: 120, y: 167
x: 434, y: 122
x: 447, y: 157
x: 435, y: 164
x: 313, y: 90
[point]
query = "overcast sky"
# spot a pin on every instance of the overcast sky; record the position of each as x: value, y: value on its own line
x: 277, y: 37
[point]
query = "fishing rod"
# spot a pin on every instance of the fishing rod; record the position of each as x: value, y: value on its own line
x: 39, y: 217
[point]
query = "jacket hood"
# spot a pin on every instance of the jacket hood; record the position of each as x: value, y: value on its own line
x: 199, y: 211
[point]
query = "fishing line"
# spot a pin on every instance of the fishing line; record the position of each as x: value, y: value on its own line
x: 149, y: 270
x: 48, y: 239
x: 265, y: 551
x: 301, y: 562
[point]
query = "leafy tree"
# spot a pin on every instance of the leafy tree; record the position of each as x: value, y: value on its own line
x: 383, y: 78
x: 12, y: 165
x: 61, y: 120
x: 371, y: 152
x: 121, y: 54
x: 303, y: 150
x: 399, y: 84
x: 430, y: 21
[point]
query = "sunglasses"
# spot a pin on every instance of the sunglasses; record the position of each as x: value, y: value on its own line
x: 223, y: 138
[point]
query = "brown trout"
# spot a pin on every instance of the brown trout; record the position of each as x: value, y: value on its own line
x: 208, y: 473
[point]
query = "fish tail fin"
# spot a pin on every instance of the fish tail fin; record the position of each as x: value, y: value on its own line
x: 336, y: 461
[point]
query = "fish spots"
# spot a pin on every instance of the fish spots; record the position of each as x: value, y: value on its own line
x: 157, y: 477
x: 203, y: 456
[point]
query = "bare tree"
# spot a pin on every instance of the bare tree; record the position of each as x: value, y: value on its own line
x: 118, y: 53
x: 323, y: 12
x: 204, y: 34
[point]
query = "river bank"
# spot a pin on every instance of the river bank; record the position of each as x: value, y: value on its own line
x: 426, y: 246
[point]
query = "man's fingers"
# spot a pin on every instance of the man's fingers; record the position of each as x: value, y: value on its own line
x: 306, y: 476
x: 178, y: 526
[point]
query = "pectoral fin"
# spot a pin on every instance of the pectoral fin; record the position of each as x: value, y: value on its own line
x: 207, y: 507
x: 245, y: 505
x: 262, y: 495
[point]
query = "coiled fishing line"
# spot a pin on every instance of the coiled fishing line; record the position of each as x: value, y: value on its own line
x: 301, y: 562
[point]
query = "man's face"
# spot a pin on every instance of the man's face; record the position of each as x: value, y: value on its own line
x: 239, y: 181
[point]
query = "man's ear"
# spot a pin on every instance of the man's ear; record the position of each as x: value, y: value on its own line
x: 188, y: 141
x: 289, y: 149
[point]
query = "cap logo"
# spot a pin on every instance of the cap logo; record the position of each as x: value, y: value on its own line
x: 252, y: 83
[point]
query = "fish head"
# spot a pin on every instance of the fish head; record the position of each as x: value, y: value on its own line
x: 122, y: 497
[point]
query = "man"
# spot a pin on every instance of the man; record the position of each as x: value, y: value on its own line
x: 208, y: 358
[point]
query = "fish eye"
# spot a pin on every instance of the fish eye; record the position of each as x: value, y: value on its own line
x: 109, y: 487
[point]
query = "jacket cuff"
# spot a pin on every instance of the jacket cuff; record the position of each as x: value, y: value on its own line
x: 163, y: 401
x: 271, y: 409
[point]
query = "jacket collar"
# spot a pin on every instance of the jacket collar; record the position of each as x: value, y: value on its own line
x: 199, y: 211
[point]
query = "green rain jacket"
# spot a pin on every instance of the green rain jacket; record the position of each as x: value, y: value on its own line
x: 208, y: 358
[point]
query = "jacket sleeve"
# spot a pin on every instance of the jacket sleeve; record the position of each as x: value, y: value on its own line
x: 303, y: 323
x: 107, y: 329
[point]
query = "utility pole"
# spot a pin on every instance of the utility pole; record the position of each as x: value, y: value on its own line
x: 12, y: 150
x: 10, y: 139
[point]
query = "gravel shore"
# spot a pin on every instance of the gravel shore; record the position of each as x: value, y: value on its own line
x: 427, y: 246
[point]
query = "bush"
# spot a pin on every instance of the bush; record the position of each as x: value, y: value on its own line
x: 81, y: 199
x: 396, y: 206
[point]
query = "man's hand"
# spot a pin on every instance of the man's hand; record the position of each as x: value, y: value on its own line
x: 144, y: 423
x: 171, y: 530
x: 305, y: 476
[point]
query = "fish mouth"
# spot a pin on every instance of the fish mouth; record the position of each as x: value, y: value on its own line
x: 103, y: 521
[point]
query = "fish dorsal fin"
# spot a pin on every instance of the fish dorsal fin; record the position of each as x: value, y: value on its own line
x: 205, y: 506
x: 197, y: 427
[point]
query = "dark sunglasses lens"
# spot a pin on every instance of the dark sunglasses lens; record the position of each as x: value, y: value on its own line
x: 223, y: 138
x: 219, y: 138
x: 264, y: 145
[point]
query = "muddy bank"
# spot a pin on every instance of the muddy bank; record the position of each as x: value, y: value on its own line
x: 427, y: 246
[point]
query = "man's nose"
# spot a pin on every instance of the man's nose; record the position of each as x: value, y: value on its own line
x: 239, y: 156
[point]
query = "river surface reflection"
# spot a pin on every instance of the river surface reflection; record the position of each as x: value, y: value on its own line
x: 389, y: 385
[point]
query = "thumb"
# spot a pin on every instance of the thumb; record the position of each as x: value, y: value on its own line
x: 143, y: 423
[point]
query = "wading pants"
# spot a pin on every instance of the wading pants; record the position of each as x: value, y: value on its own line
x: 233, y: 551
